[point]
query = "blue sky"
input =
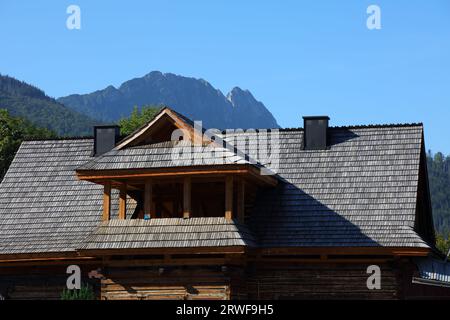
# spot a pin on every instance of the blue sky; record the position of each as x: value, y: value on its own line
x: 298, y: 57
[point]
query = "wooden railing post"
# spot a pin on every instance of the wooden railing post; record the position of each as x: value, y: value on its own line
x: 241, y: 200
x: 123, y: 201
x: 148, y: 198
x: 107, y: 201
x: 229, y: 197
x: 187, y: 194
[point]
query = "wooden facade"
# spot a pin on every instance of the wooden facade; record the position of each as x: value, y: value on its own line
x: 221, y: 279
x: 150, y: 229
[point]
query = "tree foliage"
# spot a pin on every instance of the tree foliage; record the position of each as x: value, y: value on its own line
x: 12, y: 132
x: 439, y: 178
x: 138, y: 118
x: 443, y: 243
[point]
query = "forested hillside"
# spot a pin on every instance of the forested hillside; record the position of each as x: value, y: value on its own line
x: 439, y: 175
x: 31, y: 103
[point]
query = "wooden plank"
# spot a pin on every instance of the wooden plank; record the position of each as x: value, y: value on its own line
x: 406, y: 251
x: 107, y: 201
x: 319, y: 281
x: 148, y: 198
x: 241, y: 200
x: 55, y: 261
x: 187, y: 193
x: 173, y: 172
x: 40, y: 256
x: 162, y: 172
x: 123, y: 201
x: 191, y: 250
x: 161, y: 262
x: 229, y: 197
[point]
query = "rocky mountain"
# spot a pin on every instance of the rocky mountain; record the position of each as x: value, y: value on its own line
x: 28, y: 102
x: 195, y: 98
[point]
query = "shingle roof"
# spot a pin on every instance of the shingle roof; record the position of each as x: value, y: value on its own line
x: 168, y: 233
x: 164, y: 155
x: 362, y: 191
x: 43, y: 207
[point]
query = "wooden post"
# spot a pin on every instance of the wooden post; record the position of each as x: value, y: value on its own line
x: 107, y: 201
x: 187, y: 193
x: 123, y: 201
x: 229, y: 197
x: 148, y: 198
x: 241, y: 200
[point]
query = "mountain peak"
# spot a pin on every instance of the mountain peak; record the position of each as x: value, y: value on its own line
x: 195, y: 98
x: 238, y: 90
x: 237, y: 95
x: 153, y: 74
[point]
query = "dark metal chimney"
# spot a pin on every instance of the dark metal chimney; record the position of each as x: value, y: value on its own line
x: 105, y: 139
x: 316, y: 132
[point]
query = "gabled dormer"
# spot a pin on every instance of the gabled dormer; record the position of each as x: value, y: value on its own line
x: 175, y: 169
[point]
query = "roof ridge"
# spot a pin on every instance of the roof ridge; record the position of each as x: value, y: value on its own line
x: 366, y: 126
x: 30, y: 139
x: 389, y: 125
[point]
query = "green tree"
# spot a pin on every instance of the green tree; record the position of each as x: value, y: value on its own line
x: 443, y: 243
x: 439, y: 178
x: 138, y: 118
x: 13, y: 131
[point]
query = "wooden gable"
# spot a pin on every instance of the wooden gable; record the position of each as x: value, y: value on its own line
x: 160, y: 129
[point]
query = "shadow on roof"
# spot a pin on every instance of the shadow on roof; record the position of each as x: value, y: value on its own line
x: 341, y: 135
x: 288, y: 216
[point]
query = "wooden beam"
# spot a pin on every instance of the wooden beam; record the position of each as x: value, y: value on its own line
x: 247, y: 170
x: 54, y: 262
x: 123, y: 201
x: 162, y: 172
x: 406, y: 251
x: 162, y: 262
x: 241, y: 200
x: 107, y: 202
x: 229, y: 197
x: 40, y: 256
x: 152, y: 251
x: 187, y: 193
x: 148, y: 198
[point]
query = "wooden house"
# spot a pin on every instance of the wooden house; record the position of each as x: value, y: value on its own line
x: 176, y: 212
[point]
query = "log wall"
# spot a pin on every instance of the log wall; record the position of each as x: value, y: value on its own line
x: 263, y: 280
x: 319, y: 281
x: 168, y: 283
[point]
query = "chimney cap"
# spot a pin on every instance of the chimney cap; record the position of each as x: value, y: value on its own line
x: 316, y: 117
